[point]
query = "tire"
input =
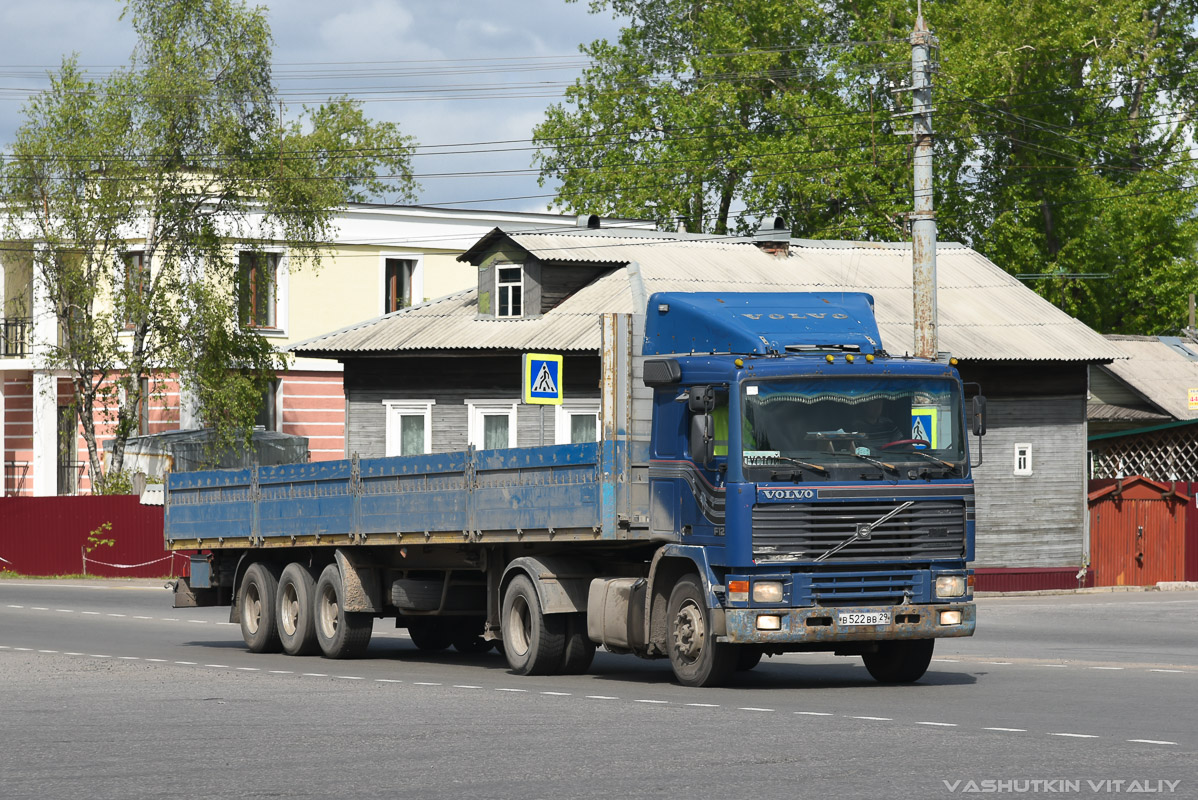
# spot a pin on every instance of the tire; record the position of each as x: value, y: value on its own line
x: 903, y: 661
x: 340, y: 633
x: 747, y: 657
x: 697, y: 659
x: 295, y: 610
x: 579, y: 650
x: 256, y: 604
x: 467, y: 638
x: 533, y: 642
x: 430, y: 634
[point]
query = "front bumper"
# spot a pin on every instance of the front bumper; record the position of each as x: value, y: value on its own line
x: 821, y: 624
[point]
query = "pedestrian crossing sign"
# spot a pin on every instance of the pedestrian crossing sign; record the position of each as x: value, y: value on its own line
x: 924, y: 426
x: 543, y: 379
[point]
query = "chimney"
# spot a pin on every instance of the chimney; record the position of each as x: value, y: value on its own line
x: 588, y: 221
x: 774, y: 240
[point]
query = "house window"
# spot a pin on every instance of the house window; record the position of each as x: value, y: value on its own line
x: 409, y: 427
x: 509, y: 292
x: 397, y: 278
x: 491, y: 424
x: 137, y: 280
x: 1023, y: 459
x: 257, y: 289
x: 576, y: 422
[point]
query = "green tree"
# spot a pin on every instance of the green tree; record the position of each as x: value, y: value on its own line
x: 1063, y: 149
x: 141, y: 193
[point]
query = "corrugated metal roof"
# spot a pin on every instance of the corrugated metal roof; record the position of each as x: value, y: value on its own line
x: 1158, y: 370
x: 1109, y: 412
x: 984, y: 313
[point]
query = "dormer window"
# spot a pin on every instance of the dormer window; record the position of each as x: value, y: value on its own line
x: 509, y: 292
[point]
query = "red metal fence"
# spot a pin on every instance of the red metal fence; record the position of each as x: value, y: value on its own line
x: 49, y: 536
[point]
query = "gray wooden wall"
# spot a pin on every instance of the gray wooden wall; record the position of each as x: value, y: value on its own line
x: 1037, y: 520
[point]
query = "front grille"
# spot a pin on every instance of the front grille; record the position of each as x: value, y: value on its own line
x: 884, y: 588
x: 929, y: 529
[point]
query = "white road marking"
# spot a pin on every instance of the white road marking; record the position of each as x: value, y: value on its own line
x: 465, y: 686
x: 141, y: 617
x: 1166, y: 670
x: 939, y: 724
x: 10, y: 605
x: 217, y: 666
x: 704, y: 705
x: 1150, y: 741
x: 314, y: 675
x: 249, y: 669
x: 557, y: 694
x: 876, y: 719
x: 999, y: 663
x: 170, y: 619
x: 1055, y: 666
x: 816, y: 713
x: 24, y: 649
x: 502, y: 689
x: 198, y: 621
x: 117, y: 615
x: 186, y: 663
x: 751, y: 708
x: 654, y: 702
x: 97, y: 655
x: 386, y: 680
x: 1075, y: 735
x: 38, y: 608
x: 157, y: 660
x: 601, y: 697
x: 348, y: 678
x: 91, y: 613
x: 72, y: 654
x: 65, y: 610
x: 1110, y: 668
x: 281, y: 672
x: 129, y: 658
x: 948, y: 660
x: 1007, y: 730
x: 47, y: 651
x: 425, y: 683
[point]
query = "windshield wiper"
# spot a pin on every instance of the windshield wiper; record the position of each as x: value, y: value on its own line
x: 803, y: 464
x: 947, y: 464
x: 876, y: 462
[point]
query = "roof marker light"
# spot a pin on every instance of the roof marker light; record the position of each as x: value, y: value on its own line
x: 740, y: 362
x: 869, y: 357
x: 829, y: 358
x: 850, y: 358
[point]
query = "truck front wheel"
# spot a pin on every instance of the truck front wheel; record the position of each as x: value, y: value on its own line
x: 903, y: 661
x: 697, y: 658
x: 532, y: 641
x: 340, y: 633
x: 256, y: 603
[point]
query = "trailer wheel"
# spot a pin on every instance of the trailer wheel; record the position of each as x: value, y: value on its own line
x: 579, y: 650
x: 295, y: 609
x: 340, y: 633
x: 256, y: 600
x: 697, y: 659
x: 533, y: 642
x: 429, y: 633
x: 467, y: 637
x: 903, y: 661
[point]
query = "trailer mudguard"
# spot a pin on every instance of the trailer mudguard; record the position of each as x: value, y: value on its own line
x: 562, y: 583
x: 361, y: 590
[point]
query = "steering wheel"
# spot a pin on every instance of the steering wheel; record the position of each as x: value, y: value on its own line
x: 897, y: 442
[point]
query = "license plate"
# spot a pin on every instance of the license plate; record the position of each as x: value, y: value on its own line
x: 864, y: 618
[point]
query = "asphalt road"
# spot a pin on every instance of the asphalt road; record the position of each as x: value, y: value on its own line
x: 108, y: 692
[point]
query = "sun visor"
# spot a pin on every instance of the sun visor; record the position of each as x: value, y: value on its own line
x: 760, y: 323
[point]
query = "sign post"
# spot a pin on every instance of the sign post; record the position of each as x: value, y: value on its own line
x: 542, y: 383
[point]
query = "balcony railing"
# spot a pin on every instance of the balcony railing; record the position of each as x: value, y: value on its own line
x: 14, y: 337
x: 70, y: 473
x: 15, y: 473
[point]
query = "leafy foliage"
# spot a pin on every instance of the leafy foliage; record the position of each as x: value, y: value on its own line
x: 141, y: 192
x: 1063, y: 135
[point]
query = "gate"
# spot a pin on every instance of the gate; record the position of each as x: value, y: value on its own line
x: 1137, y: 532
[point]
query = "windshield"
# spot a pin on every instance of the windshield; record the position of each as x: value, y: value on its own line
x: 793, y: 429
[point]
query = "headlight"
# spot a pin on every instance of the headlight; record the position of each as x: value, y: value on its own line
x: 767, y: 592
x: 950, y: 586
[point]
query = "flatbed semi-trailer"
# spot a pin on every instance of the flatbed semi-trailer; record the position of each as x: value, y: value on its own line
x: 767, y: 479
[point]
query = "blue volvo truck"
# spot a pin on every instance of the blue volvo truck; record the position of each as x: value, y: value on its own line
x: 767, y: 480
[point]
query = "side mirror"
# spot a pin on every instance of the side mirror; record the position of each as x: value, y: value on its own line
x: 701, y: 399
x: 977, y: 412
x: 702, y: 443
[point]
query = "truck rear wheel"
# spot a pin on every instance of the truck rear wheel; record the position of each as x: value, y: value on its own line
x: 256, y: 604
x: 340, y: 633
x: 295, y: 609
x: 532, y: 641
x: 903, y: 661
x: 579, y: 650
x: 697, y: 658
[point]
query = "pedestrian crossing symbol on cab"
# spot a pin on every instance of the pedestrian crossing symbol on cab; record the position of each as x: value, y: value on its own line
x: 542, y: 379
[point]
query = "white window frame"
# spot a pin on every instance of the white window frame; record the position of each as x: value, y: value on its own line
x: 1023, y: 453
x: 393, y: 409
x: 282, y: 291
x: 498, y: 285
x: 563, y: 412
x: 477, y: 410
x: 417, y: 277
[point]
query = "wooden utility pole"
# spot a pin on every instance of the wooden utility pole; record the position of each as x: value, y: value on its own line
x: 923, y: 215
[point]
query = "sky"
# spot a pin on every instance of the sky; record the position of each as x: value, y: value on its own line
x: 467, y: 78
